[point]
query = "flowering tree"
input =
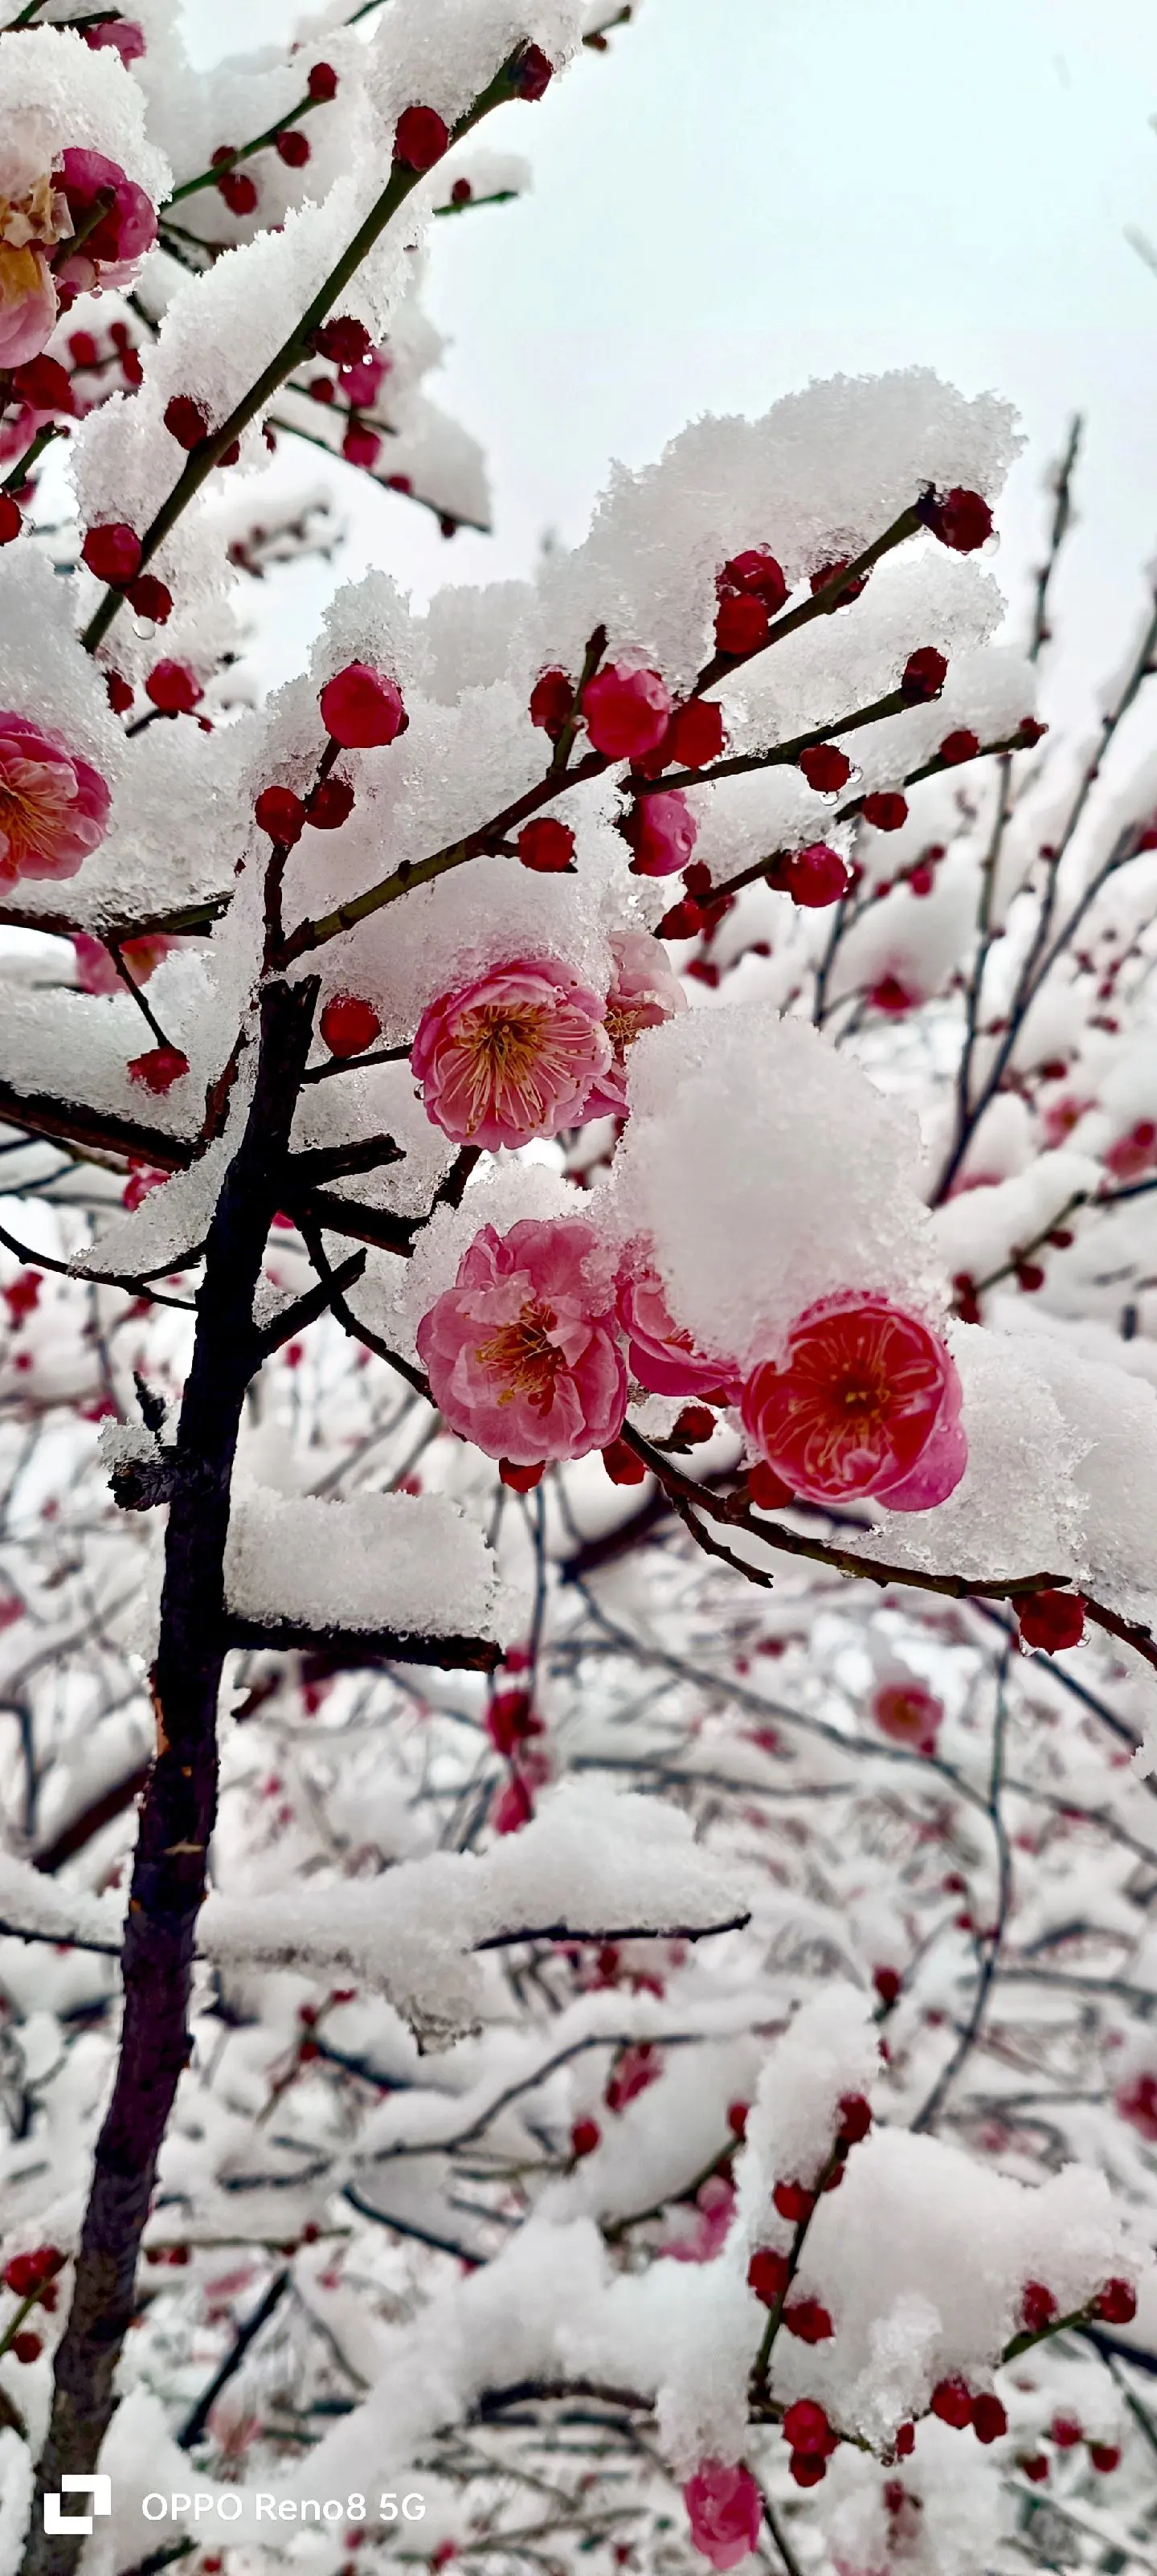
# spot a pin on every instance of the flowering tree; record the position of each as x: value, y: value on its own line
x: 428, y: 1173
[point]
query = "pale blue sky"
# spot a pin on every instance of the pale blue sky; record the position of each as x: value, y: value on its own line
x: 747, y: 193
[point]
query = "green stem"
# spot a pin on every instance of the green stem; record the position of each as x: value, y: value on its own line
x: 32, y: 455
x: 206, y: 455
x: 244, y: 152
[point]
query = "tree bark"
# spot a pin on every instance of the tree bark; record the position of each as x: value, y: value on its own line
x: 179, y: 1802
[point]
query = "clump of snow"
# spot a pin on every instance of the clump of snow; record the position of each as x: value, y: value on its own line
x: 767, y: 1172
x: 411, y: 1564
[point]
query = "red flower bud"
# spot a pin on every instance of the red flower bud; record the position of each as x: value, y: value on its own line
x: 952, y: 2401
x: 551, y: 702
x: 755, y: 574
x: 322, y: 82
x: 112, y: 552
x: 584, y: 2138
x: 885, y: 811
x: 1051, y: 1622
x: 960, y: 519
x: 280, y: 813
x: 807, y: 2319
x: 151, y: 598
x: 186, y: 421
x: 621, y: 1464
x: 421, y: 137
x: 239, y: 191
x: 794, y: 2201
x: 1116, y: 2304
x: 1037, y: 2307
x: 808, y: 2468
x: 923, y: 676
x: 348, y: 1025
x: 292, y: 147
x: 174, y: 688
x: 958, y: 746
x: 11, y: 520
x: 855, y: 2119
x: 521, y: 1480
x: 343, y: 341
x: 532, y: 73
x: 695, y: 734
x: 741, y: 624
x: 989, y: 2420
x: 546, y: 846
x: 806, y: 2427
x: 330, y: 805
x: 825, y: 768
x: 362, y: 708
x: 45, y: 384
x: 159, y: 1068
x: 768, y: 2274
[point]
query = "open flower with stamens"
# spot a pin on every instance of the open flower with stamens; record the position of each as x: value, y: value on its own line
x: 643, y: 992
x: 662, y: 1355
x: 53, y: 805
x: 511, y: 1055
x: 864, y: 1400
x: 521, y: 1353
x: 30, y: 227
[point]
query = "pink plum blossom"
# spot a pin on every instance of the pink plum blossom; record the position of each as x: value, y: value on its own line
x: 53, y: 805
x: 725, y: 2511
x: 643, y: 992
x: 662, y: 1355
x: 512, y: 1054
x: 522, y: 1354
x: 865, y: 1399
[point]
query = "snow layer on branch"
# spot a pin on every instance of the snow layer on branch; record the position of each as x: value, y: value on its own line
x: 1015, y: 1510
x: 30, y: 1902
x: 444, y: 56
x: 590, y: 1861
x: 818, y: 477
x: 921, y: 2258
x: 45, y: 674
x: 220, y: 330
x: 978, y: 1230
x: 917, y: 938
x: 836, y: 665
x: 168, y: 845
x: 1111, y: 1417
x: 408, y: 1563
x: 831, y: 2048
x: 55, y: 92
x: 768, y: 1172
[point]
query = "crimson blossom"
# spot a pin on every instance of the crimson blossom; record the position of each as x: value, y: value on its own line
x: 866, y: 1401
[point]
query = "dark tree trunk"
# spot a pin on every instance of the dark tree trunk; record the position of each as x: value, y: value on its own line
x: 179, y: 1802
